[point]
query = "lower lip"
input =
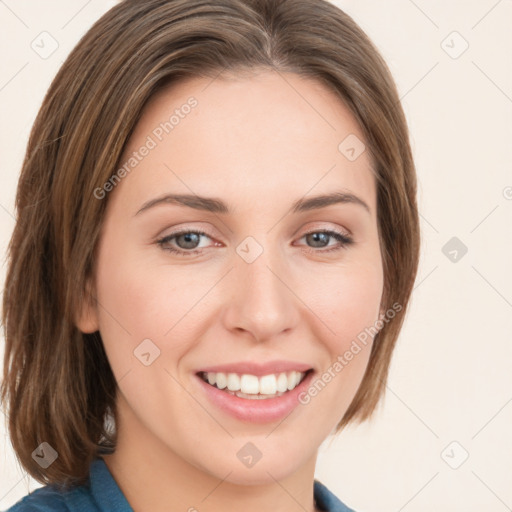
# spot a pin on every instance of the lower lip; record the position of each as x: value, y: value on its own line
x: 256, y: 410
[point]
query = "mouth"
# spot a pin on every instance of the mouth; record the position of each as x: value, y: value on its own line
x: 250, y: 398
x: 253, y: 387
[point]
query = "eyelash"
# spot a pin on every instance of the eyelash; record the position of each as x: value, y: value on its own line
x: 344, y: 241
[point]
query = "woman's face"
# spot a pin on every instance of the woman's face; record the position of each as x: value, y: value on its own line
x: 262, y: 292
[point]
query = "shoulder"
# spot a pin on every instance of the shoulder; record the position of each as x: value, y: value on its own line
x: 50, y: 499
x: 327, y: 501
x: 42, y: 499
x: 99, y: 493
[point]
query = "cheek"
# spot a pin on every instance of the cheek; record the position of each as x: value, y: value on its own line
x: 141, y: 300
x: 346, y: 307
x: 349, y: 301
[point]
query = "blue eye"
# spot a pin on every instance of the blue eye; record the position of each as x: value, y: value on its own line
x: 343, y: 240
x: 192, y: 238
x: 188, y: 237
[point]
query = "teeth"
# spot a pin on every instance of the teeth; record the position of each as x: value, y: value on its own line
x: 290, y: 381
x: 282, y: 382
x: 233, y: 382
x: 249, y: 384
x: 220, y: 380
x: 246, y: 384
x: 268, y: 385
x: 253, y: 397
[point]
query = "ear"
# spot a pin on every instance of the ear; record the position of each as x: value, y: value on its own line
x: 87, y: 316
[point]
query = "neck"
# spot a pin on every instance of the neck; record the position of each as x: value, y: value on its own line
x: 153, y: 477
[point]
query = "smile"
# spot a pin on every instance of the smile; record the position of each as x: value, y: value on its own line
x: 262, y: 398
x: 253, y: 387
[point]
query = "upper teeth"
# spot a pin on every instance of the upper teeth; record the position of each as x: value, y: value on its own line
x: 251, y: 384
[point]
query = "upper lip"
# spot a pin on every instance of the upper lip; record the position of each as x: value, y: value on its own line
x: 257, y: 369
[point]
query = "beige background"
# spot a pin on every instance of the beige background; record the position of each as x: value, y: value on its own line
x: 450, y: 387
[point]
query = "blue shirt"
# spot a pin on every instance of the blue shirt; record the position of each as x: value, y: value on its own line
x: 102, y: 494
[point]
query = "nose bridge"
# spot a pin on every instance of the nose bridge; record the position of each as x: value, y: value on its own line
x: 261, y: 301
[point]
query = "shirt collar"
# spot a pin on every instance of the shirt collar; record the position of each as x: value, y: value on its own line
x: 105, y: 490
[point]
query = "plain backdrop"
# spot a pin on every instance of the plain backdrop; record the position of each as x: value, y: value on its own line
x: 441, y: 439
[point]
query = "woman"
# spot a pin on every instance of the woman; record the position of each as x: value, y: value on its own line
x: 216, y: 243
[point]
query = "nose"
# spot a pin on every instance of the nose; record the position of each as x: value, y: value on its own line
x: 262, y: 301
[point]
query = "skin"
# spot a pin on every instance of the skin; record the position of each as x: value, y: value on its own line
x: 259, y: 143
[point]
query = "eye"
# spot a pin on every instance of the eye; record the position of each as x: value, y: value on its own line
x: 187, y: 242
x: 323, y: 237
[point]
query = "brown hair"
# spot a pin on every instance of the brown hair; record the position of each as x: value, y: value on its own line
x: 58, y: 383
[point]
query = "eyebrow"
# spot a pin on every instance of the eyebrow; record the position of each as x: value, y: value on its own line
x: 215, y: 205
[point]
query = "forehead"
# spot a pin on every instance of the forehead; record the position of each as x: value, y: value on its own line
x: 273, y: 135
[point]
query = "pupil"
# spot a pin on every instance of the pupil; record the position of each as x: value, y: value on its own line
x: 188, y: 237
x: 317, y: 236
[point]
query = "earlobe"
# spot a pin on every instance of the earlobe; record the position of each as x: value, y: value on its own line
x: 87, y: 316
